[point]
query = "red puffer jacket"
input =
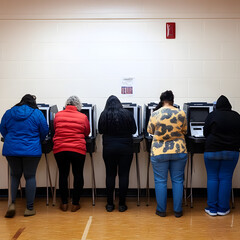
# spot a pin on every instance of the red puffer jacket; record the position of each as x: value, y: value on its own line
x: 71, y: 128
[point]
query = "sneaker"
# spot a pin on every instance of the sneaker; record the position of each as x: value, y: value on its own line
x: 110, y: 207
x: 29, y: 212
x: 122, y: 208
x: 178, y: 214
x: 207, y: 210
x: 161, y: 214
x: 11, y: 211
x: 75, y: 208
x: 223, y: 213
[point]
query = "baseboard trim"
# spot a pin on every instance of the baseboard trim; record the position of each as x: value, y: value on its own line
x: 101, y: 192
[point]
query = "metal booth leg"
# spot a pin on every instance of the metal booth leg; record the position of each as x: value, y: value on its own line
x: 9, y: 187
x: 55, y: 188
x: 147, y: 186
x: 138, y: 179
x: 48, y: 177
x: 233, y: 203
x: 191, y: 195
x: 186, y: 182
x: 93, y: 181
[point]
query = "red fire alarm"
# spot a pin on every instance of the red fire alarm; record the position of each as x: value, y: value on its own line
x: 170, y: 30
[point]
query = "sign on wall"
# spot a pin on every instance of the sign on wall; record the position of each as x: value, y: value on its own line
x: 127, y: 86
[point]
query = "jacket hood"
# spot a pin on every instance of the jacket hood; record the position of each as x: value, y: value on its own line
x: 113, y: 103
x: 223, y: 103
x: 20, y: 113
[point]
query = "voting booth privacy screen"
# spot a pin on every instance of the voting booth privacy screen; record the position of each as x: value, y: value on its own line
x: 49, y: 113
x: 136, y: 110
x: 197, y: 113
x: 90, y: 111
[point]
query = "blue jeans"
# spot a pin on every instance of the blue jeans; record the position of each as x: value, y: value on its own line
x: 28, y: 167
x: 175, y: 163
x: 220, y: 167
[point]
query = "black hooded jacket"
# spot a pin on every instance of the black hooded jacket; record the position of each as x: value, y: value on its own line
x: 117, y: 126
x: 222, y: 128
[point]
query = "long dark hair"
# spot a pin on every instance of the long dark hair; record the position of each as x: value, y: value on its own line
x: 166, y: 96
x: 114, y: 116
x: 113, y: 104
x: 29, y: 100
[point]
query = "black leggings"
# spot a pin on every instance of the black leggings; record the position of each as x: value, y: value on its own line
x: 120, y: 163
x: 64, y: 159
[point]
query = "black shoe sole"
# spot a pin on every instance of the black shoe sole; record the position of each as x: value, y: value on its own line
x: 110, y: 208
x: 10, y: 214
x: 178, y: 214
x: 161, y: 214
x: 122, y: 208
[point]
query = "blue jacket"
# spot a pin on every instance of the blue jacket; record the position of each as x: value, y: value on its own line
x: 23, y: 129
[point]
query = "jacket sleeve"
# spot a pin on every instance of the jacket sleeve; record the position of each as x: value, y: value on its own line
x: 43, y: 126
x: 151, y: 126
x: 3, y: 127
x: 87, y: 127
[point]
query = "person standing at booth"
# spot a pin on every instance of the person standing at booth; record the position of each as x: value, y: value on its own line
x: 222, y: 132
x: 168, y: 125
x: 71, y: 128
x: 23, y: 128
x: 117, y: 126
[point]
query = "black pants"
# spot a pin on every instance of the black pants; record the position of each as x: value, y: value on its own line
x: 114, y: 163
x: 64, y: 159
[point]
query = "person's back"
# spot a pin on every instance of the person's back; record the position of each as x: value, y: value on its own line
x: 117, y: 127
x: 168, y: 127
x: 222, y: 128
x: 71, y: 128
x: 23, y: 129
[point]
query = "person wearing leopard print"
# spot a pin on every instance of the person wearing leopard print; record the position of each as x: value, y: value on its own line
x: 168, y: 125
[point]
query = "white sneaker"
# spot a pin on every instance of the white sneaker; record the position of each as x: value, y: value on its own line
x: 210, y: 213
x: 223, y: 213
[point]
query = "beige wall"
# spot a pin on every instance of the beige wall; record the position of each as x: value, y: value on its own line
x: 56, y: 48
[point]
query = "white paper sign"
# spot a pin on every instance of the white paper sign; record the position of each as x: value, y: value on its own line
x: 127, y: 86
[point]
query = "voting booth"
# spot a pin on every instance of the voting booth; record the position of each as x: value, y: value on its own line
x: 196, y: 113
x: 136, y: 110
x: 49, y: 113
x: 90, y: 111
